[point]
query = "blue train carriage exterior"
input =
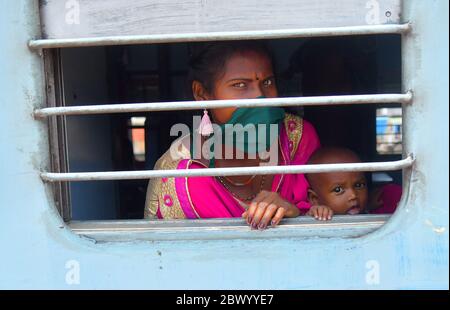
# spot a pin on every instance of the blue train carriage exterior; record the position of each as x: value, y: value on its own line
x: 408, y: 250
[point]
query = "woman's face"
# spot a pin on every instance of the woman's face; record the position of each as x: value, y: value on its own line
x: 246, y: 75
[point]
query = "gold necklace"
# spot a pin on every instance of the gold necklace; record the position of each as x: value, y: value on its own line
x: 240, y: 184
x: 251, y: 197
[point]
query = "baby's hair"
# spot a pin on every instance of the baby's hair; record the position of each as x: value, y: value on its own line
x: 207, y: 60
x: 331, y: 155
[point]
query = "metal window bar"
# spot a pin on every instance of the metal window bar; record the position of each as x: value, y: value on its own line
x: 217, y: 36
x: 148, y: 174
x: 193, y: 105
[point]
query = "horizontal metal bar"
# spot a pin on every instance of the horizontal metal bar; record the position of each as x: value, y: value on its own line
x: 148, y: 174
x: 193, y: 105
x: 218, y: 36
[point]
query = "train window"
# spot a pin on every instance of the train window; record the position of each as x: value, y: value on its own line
x: 346, y: 81
x: 147, y: 73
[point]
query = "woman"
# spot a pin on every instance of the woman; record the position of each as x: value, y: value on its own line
x: 236, y: 70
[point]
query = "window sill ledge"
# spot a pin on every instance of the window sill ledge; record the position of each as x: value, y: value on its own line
x: 225, y: 229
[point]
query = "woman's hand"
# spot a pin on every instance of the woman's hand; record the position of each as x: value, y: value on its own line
x: 268, y: 208
x: 321, y: 213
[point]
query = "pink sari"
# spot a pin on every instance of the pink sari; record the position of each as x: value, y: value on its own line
x: 206, y: 197
x: 389, y: 198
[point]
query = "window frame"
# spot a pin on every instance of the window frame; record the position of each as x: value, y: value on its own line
x: 172, y: 230
x: 57, y: 134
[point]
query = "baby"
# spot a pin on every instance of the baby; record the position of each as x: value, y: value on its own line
x: 345, y: 192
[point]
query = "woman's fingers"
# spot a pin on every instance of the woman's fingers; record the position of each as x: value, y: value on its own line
x: 259, y: 213
x: 278, y: 216
x: 268, y: 215
x: 255, y: 206
x: 267, y: 209
x: 250, y: 211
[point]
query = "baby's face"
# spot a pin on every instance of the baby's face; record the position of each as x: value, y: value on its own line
x: 343, y: 192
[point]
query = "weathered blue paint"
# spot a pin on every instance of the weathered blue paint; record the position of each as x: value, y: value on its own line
x: 411, y: 249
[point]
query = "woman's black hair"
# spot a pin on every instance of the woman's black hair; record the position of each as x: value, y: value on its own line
x: 207, y: 60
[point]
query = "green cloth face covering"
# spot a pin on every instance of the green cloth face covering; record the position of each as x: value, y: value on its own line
x: 249, y: 128
x: 249, y: 136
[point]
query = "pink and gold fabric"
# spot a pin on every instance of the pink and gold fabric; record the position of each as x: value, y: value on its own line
x: 206, y: 197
